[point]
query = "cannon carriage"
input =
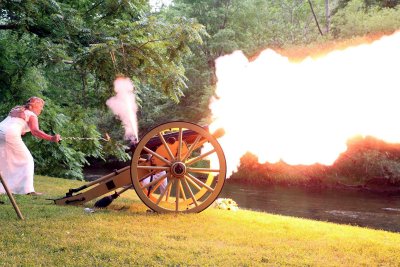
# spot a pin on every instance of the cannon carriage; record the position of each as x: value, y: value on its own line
x: 176, y: 167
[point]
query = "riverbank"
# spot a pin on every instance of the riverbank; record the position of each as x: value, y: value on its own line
x: 318, y: 176
x: 126, y: 235
x: 379, y: 188
x: 368, y: 165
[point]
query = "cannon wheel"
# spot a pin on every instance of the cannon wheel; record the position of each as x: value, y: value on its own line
x: 187, y: 173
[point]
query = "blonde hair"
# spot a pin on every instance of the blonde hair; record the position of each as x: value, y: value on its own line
x: 34, y: 101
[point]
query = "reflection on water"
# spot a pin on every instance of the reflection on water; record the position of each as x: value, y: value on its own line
x: 346, y: 207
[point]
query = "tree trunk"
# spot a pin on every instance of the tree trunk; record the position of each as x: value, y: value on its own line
x: 315, y: 17
x: 328, y: 16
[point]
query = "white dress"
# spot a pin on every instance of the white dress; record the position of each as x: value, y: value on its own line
x: 163, y: 184
x: 16, y: 162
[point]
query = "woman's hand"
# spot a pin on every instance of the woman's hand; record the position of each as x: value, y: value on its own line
x: 56, y: 138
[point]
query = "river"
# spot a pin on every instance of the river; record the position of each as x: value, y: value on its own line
x: 345, y: 207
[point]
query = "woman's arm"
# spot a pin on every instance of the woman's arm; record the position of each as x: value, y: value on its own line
x: 33, y: 124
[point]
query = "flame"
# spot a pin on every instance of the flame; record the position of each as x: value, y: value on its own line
x: 304, y: 112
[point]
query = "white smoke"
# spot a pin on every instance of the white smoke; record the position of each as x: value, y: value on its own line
x: 304, y: 112
x: 124, y: 106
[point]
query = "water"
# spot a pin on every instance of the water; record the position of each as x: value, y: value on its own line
x: 345, y: 207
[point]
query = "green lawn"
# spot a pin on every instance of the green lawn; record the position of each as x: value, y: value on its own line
x: 126, y: 235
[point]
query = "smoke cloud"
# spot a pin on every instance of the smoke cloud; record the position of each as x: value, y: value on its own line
x: 124, y: 106
x: 304, y: 112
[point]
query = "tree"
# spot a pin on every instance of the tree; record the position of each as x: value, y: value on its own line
x: 69, y: 52
x: 107, y: 37
x: 327, y: 16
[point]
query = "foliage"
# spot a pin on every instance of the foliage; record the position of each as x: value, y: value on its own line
x: 154, y: 112
x: 70, y: 52
x: 382, y: 3
x: 107, y: 38
x: 368, y: 159
x: 68, y: 157
x: 252, y: 171
x: 367, y: 162
x: 277, y: 24
x: 356, y: 20
x: 19, y: 77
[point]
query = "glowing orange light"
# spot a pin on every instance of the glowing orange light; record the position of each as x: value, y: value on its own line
x: 304, y: 112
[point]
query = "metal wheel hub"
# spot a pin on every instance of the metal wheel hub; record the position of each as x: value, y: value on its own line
x: 178, y: 169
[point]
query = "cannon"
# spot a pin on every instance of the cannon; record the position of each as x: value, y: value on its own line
x: 176, y: 167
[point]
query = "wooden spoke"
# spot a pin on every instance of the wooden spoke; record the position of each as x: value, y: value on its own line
x: 194, y: 179
x: 166, y: 192
x: 193, y: 183
x: 157, y: 168
x: 202, y: 170
x: 192, y: 147
x: 165, y: 145
x: 182, y: 191
x: 190, y: 192
x: 147, y: 174
x: 154, y: 188
x: 157, y: 155
x: 179, y: 154
x: 192, y: 161
x: 155, y: 181
x: 177, y: 190
x: 201, y: 143
x: 169, y: 191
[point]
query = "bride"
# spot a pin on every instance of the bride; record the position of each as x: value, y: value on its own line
x: 16, y: 162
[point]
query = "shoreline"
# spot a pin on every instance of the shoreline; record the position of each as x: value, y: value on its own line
x: 379, y: 190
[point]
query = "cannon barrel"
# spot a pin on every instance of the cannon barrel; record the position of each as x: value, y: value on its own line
x: 187, y: 135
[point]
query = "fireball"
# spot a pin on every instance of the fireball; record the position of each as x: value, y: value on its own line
x: 304, y: 111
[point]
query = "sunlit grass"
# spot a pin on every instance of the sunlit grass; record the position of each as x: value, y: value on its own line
x: 125, y: 234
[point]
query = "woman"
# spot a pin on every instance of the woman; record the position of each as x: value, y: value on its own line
x: 16, y: 162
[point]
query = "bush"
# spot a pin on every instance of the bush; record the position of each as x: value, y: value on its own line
x: 369, y: 159
x: 366, y: 160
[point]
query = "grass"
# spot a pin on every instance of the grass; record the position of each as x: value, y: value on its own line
x: 124, y: 234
